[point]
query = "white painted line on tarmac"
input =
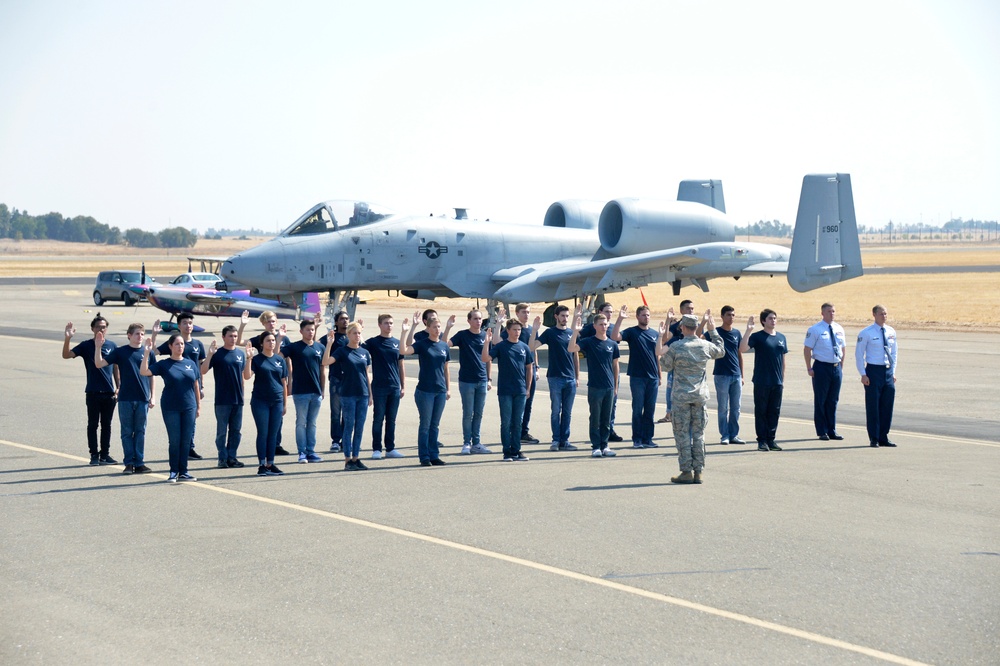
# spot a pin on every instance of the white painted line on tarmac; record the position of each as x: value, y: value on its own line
x: 538, y: 566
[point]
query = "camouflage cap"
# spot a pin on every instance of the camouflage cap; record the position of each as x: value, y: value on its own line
x: 689, y: 321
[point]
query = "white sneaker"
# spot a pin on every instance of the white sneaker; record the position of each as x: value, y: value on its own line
x: 334, y: 448
x: 724, y: 441
x: 554, y: 446
x: 393, y: 454
x: 466, y: 450
x: 596, y: 453
x: 608, y: 453
x: 637, y: 445
x: 479, y: 448
x: 302, y: 458
x: 376, y: 455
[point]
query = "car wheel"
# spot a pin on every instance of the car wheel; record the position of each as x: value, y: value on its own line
x: 128, y: 298
x: 98, y: 299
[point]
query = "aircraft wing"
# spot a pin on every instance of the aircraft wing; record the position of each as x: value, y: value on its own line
x: 568, y: 278
x: 207, y: 297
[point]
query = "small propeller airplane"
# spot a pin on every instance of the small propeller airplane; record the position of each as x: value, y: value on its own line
x: 582, y: 250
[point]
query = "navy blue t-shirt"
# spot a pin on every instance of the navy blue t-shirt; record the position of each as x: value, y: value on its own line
x: 268, y: 384
x: 433, y: 358
x: 728, y: 365
x: 600, y: 357
x: 180, y: 381
x: 255, y: 342
x: 227, y: 369
x: 353, y: 365
x: 193, y: 350
x: 768, y: 352
x: 98, y: 381
x: 335, y: 373
x: 589, y: 331
x: 642, y: 352
x: 134, y: 387
x: 676, y: 334
x: 561, y: 364
x: 512, y: 358
x: 385, y: 362
x: 471, y: 368
x: 307, y: 360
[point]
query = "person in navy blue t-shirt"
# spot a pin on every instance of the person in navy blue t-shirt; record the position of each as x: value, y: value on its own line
x: 769, y: 348
x: 515, y: 373
x: 135, y: 397
x: 473, y: 381
x: 227, y: 366
x: 563, y: 374
x: 269, y: 321
x: 100, y: 389
x: 307, y: 378
x: 354, y: 363
x: 728, y: 374
x: 194, y: 350
x: 602, y: 380
x: 589, y: 331
x: 643, y: 373
x: 180, y: 402
x: 388, y: 386
x: 433, y: 387
x: 268, y: 401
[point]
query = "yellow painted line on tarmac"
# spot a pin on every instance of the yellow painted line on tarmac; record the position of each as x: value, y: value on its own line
x: 538, y: 566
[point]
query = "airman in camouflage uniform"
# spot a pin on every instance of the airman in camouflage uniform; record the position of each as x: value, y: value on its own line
x: 688, y: 359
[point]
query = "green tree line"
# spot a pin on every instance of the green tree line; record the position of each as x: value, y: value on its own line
x: 19, y: 225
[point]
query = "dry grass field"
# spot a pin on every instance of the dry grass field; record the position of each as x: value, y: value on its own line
x: 925, y: 300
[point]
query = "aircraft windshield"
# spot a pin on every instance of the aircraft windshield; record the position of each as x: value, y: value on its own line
x: 337, y: 215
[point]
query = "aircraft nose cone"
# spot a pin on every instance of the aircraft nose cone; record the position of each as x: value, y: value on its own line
x: 261, y: 266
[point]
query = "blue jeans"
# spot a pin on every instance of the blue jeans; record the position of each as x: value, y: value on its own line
x: 473, y: 402
x: 180, y: 433
x: 562, y: 393
x: 132, y: 416
x: 306, y: 414
x: 430, y: 407
x: 511, y: 415
x: 336, y: 411
x: 600, y: 401
x: 528, y: 402
x: 267, y: 417
x: 355, y: 412
x: 228, y: 430
x: 643, y: 403
x: 729, y: 393
x: 385, y: 406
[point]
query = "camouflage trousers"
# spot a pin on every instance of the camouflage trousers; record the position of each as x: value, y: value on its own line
x: 689, y: 420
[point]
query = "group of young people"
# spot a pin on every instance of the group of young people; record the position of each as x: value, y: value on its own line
x: 363, y: 375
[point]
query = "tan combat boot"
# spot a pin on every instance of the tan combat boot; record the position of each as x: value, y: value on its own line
x: 697, y: 476
x: 685, y: 477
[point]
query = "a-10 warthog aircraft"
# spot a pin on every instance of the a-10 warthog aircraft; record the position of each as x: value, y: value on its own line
x: 582, y: 250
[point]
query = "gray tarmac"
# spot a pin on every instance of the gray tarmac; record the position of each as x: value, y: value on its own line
x: 837, y: 554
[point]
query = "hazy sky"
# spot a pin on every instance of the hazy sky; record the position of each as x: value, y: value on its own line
x: 244, y: 114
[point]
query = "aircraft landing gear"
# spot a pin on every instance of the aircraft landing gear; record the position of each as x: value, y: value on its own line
x: 346, y: 299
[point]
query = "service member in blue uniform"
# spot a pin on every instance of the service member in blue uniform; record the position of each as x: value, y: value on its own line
x: 562, y: 375
x: 824, y: 353
x: 602, y: 381
x: 269, y: 400
x: 269, y: 321
x: 474, y: 381
x: 355, y: 365
x: 307, y: 378
x: 101, y: 389
x: 643, y: 373
x: 180, y: 402
x: 515, y: 373
x: 728, y: 376
x: 590, y: 331
x: 433, y: 387
x: 193, y: 350
x: 875, y: 357
x: 388, y: 386
x: 227, y: 366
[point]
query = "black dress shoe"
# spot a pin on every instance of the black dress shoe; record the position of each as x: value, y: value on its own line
x: 614, y: 437
x: 873, y: 444
x: 279, y: 451
x: 887, y: 443
x: 437, y: 461
x: 773, y: 447
x: 425, y: 463
x: 824, y: 438
x: 194, y: 455
x: 835, y: 436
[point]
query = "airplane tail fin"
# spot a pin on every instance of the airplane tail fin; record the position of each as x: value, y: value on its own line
x: 825, y: 244
x: 311, y: 303
x: 708, y: 192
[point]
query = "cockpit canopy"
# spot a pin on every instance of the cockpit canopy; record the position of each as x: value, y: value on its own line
x: 337, y: 216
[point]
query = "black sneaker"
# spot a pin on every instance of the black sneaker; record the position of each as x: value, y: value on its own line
x: 105, y: 459
x: 526, y: 438
x: 521, y: 456
x: 142, y: 469
x: 261, y: 471
x: 437, y: 461
x: 223, y: 464
x: 279, y: 451
x: 95, y: 459
x: 360, y: 465
x: 233, y: 462
x: 194, y: 455
x: 614, y: 437
x: 185, y: 477
x: 349, y: 466
x: 773, y: 447
x: 129, y: 469
x: 273, y: 470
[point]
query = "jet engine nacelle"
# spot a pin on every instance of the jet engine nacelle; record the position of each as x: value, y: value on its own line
x: 633, y: 226
x: 574, y: 214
